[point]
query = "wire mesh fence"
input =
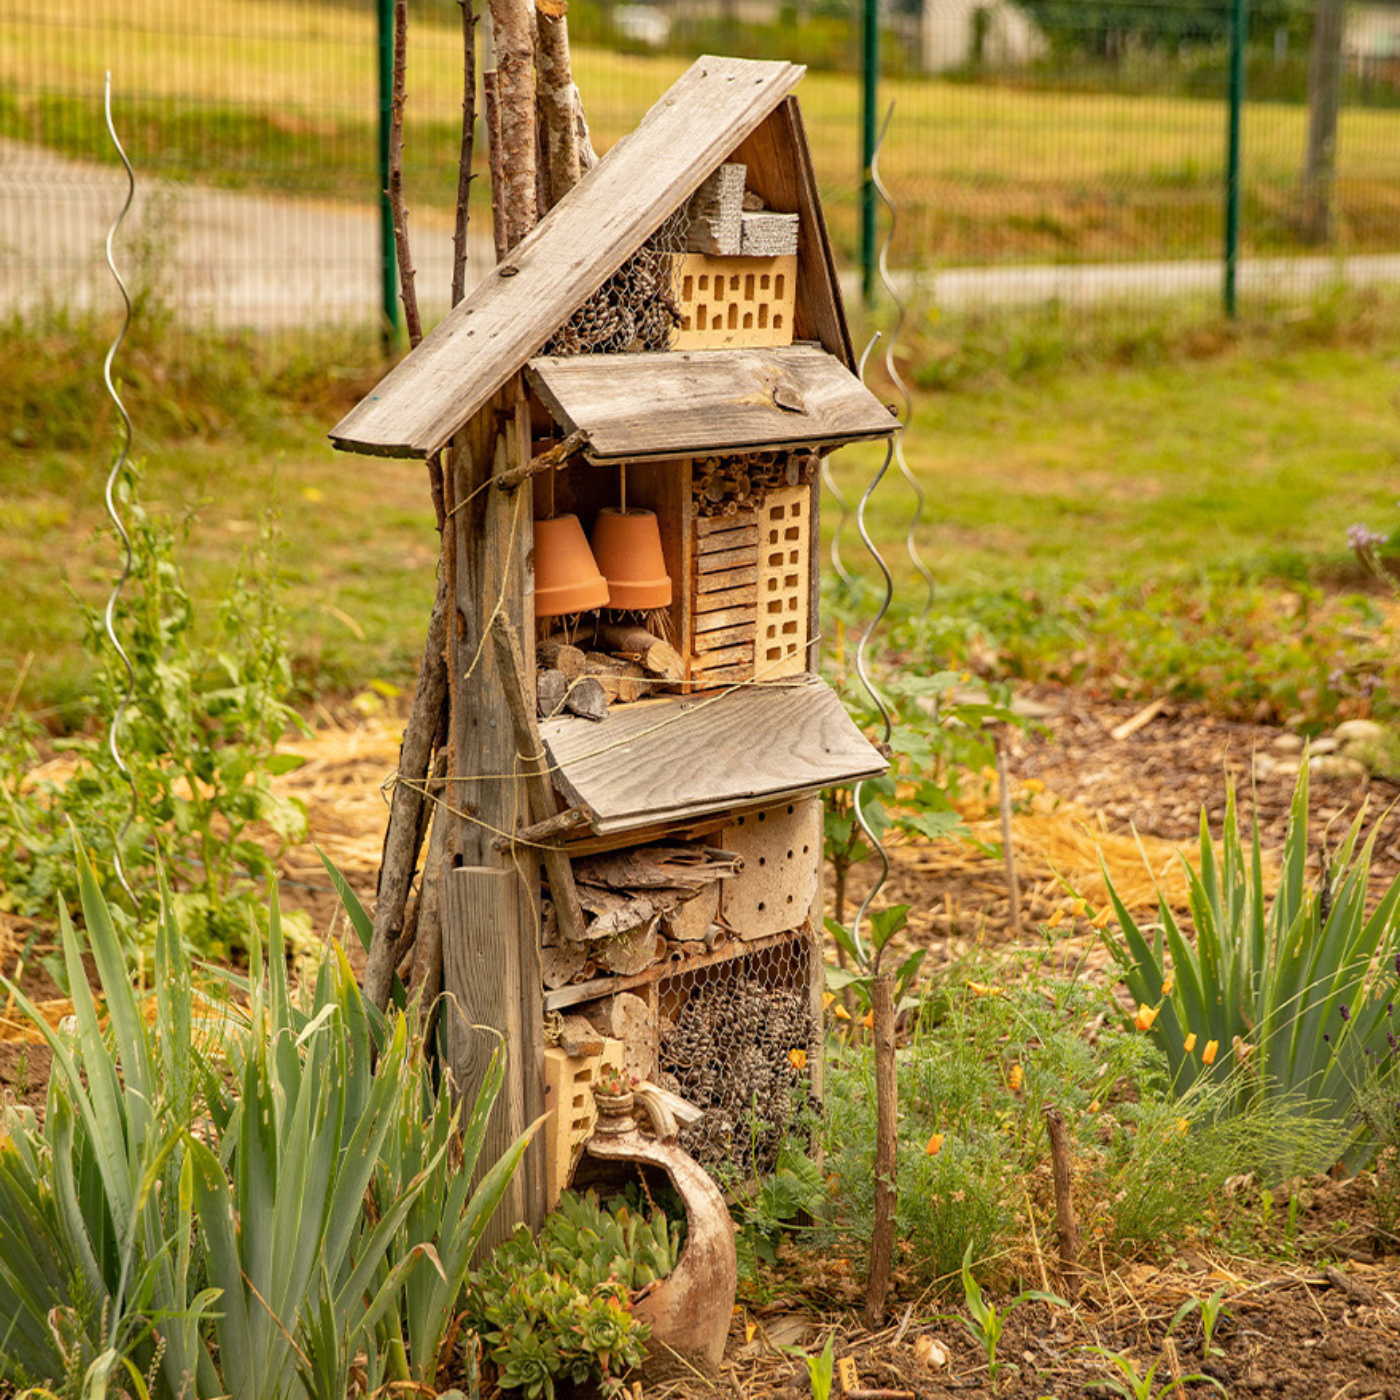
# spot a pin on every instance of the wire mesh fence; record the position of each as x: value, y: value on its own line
x: 1039, y: 147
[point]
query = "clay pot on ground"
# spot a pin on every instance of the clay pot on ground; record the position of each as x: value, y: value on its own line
x: 627, y: 546
x: 567, y: 579
x: 688, y: 1310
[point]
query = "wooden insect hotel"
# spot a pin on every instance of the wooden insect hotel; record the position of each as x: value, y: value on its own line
x: 633, y: 408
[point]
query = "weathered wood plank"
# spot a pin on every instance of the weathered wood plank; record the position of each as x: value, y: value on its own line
x: 726, y: 617
x: 703, y: 401
x: 676, y: 758
x: 720, y: 560
x: 718, y: 541
x: 725, y: 636
x: 710, y: 525
x: 721, y: 658
x: 745, y: 597
x: 781, y: 170
x: 725, y: 582
x: 584, y: 239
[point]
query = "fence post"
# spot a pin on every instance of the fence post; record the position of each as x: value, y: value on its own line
x: 1239, y: 37
x: 388, y: 272
x: 869, y: 91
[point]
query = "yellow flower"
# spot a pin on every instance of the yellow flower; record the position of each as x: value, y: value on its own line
x: 1183, y: 1125
x: 797, y: 1059
x: 840, y: 1013
x: 1094, y: 1107
x: 1079, y: 908
x: 935, y: 1145
x: 982, y: 989
x: 1015, y: 1078
x: 1145, y: 1017
x: 1167, y: 986
x: 1033, y: 785
x: 868, y: 1021
x: 1209, y: 1053
x: 1190, y: 1043
x: 1056, y: 919
x: 827, y: 999
x: 1102, y: 917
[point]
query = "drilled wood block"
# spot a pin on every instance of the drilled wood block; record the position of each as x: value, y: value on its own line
x: 719, y: 561
x: 568, y: 1101
x: 782, y: 851
x: 783, y: 593
x: 734, y: 301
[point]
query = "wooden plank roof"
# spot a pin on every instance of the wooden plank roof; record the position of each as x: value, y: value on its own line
x: 580, y: 243
x: 674, y: 759
x: 671, y: 403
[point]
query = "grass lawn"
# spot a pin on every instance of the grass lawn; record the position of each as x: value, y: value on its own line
x: 1126, y: 461
x: 260, y: 95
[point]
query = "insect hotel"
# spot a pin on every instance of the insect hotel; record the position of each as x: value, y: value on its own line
x: 632, y: 410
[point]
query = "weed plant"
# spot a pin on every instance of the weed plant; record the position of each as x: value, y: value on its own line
x: 198, y: 736
x: 987, y: 1051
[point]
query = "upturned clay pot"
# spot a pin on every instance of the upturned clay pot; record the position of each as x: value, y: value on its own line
x: 688, y: 1310
x: 627, y: 546
x: 567, y: 579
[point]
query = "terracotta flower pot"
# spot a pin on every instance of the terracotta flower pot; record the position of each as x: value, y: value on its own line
x: 566, y: 577
x: 627, y: 546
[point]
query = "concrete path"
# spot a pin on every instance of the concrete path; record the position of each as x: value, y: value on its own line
x: 230, y: 258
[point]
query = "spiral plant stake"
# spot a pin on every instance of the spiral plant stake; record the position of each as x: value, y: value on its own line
x: 911, y: 542
x: 113, y: 477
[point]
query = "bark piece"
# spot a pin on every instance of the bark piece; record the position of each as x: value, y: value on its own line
x: 512, y: 30
x: 562, y: 963
x: 650, y: 652
x: 632, y: 952
x: 623, y: 681
x: 587, y: 699
x: 625, y: 1017
x: 1066, y: 1224
x: 560, y: 656
x: 555, y: 93
x: 550, y: 689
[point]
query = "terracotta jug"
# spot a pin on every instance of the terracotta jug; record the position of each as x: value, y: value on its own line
x: 627, y: 546
x: 566, y: 577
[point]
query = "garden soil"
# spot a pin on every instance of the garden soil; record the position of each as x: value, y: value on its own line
x: 1322, y: 1321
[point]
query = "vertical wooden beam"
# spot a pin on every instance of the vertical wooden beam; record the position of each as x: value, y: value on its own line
x: 490, y: 931
x: 814, y: 580
x: 492, y: 977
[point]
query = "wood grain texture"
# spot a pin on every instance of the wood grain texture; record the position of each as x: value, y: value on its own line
x: 781, y: 170
x: 585, y: 238
x: 707, y: 526
x: 484, y: 964
x: 675, y: 759
x: 731, y: 579
x: 715, y: 561
x: 724, y: 636
x: 717, y: 541
x: 709, y: 605
x: 708, y: 401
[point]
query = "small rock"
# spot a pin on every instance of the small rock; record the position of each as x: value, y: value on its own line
x: 1264, y: 765
x: 1363, y: 730
x: 1287, y: 743
x: 930, y: 1352
x: 1288, y: 767
x: 1334, y: 765
x: 1323, y: 746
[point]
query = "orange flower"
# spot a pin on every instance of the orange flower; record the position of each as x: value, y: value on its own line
x: 1015, y: 1078
x: 1167, y: 986
x: 1189, y: 1044
x: 868, y: 1021
x: 840, y: 1013
x: 1094, y: 1107
x: 1145, y: 1017
x: 935, y: 1145
x: 1079, y: 908
x: 797, y: 1059
x: 1056, y: 919
x: 827, y: 999
x: 1209, y: 1053
x: 1102, y: 917
x: 1033, y: 785
x: 1183, y: 1125
x: 982, y: 989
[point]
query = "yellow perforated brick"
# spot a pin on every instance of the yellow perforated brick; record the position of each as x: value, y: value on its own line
x: 784, y: 542
x: 734, y: 301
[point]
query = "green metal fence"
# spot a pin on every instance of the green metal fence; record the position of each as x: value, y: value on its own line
x: 1071, y: 148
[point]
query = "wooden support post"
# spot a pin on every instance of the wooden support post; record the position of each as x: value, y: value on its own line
x: 513, y: 32
x: 485, y: 932
x: 877, y: 1286
x: 1065, y: 1220
x: 530, y: 752
x: 555, y: 87
x: 495, y: 968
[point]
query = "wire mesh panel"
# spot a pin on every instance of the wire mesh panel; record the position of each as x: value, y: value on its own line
x: 736, y: 1039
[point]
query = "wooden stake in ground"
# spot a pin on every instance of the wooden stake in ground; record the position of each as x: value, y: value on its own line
x: 409, y: 292
x: 1008, y: 851
x: 886, y: 1126
x: 1064, y: 1200
x: 513, y: 31
x: 464, y: 162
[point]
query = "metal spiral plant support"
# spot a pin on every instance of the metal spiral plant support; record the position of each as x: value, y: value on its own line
x: 863, y: 672
x: 113, y: 477
x: 911, y: 543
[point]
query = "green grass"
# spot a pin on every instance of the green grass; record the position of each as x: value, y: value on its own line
x: 1143, y: 501
x: 259, y: 95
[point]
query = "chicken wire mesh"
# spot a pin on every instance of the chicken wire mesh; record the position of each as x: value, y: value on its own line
x: 740, y: 1040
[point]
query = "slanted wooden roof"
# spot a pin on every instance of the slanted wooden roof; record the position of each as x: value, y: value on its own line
x: 672, y: 403
x: 583, y: 240
x: 675, y: 759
